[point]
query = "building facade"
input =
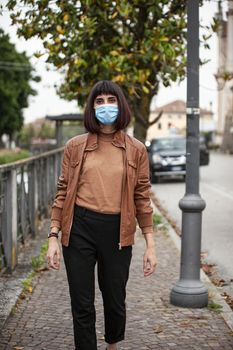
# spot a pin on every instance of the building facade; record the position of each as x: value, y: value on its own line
x: 225, y: 87
x: 173, y: 120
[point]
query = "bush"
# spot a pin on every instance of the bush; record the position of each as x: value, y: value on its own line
x: 9, y: 156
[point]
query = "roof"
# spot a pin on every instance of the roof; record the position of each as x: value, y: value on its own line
x: 178, y: 106
x: 38, y: 122
x: 62, y: 117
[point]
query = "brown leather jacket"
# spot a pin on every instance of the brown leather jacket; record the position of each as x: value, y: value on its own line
x: 135, y: 204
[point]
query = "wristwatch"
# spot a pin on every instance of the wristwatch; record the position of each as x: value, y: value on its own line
x: 52, y: 234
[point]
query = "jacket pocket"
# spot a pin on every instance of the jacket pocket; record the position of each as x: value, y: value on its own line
x: 132, y: 168
x: 73, y: 167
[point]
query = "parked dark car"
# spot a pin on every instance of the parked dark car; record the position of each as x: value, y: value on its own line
x: 167, y: 157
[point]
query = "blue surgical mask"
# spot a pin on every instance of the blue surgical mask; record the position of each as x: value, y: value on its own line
x: 106, y: 114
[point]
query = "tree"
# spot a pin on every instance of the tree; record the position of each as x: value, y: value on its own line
x: 15, y: 74
x: 26, y: 134
x: 46, y: 131
x: 138, y: 44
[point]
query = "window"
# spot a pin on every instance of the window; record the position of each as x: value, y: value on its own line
x: 159, y: 126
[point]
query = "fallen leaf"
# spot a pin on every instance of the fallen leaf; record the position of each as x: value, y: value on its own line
x: 158, y: 329
x: 185, y: 323
x: 219, y: 282
x: 208, y: 268
x: 42, y: 269
x: 228, y: 299
x: 199, y: 317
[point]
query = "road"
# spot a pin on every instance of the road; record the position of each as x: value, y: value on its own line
x: 216, y: 188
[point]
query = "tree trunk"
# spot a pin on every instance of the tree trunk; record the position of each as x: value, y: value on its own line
x: 2, y: 144
x: 141, y: 111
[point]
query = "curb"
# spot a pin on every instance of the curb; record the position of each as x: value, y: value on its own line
x: 11, y: 286
x: 225, y: 311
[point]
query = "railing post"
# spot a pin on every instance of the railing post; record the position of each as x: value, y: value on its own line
x: 11, y: 220
x: 59, y: 124
x: 56, y: 168
x: 39, y: 185
x: 33, y: 197
x: 48, y: 180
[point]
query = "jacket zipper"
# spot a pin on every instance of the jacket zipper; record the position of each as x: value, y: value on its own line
x: 124, y: 173
x: 79, y: 161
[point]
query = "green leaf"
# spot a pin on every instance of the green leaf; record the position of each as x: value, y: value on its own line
x: 145, y: 89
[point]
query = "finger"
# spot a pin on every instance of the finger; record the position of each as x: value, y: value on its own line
x: 147, y: 273
x: 148, y: 270
x: 147, y: 264
x: 55, y: 261
x: 144, y: 265
x: 50, y: 261
x: 54, y: 265
x: 149, y: 267
x: 58, y: 257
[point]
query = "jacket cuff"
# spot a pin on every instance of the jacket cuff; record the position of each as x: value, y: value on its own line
x: 55, y: 223
x: 147, y: 229
x: 145, y: 220
x: 56, y: 214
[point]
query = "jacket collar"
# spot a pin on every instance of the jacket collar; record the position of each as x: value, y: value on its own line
x: 118, y: 140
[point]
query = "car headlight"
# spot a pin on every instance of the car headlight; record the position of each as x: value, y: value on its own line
x: 156, y: 158
x: 182, y: 159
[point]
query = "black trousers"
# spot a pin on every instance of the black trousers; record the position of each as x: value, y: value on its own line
x: 94, y: 238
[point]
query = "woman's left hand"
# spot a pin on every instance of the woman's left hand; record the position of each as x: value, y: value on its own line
x: 149, y: 261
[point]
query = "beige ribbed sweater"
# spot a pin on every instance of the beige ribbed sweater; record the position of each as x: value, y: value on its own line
x: 100, y: 182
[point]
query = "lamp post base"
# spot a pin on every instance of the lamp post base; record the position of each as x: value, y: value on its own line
x: 189, y: 293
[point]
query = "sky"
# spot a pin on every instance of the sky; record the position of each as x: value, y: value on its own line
x: 47, y: 102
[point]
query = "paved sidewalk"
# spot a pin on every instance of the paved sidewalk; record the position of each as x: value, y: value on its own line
x: 43, y: 320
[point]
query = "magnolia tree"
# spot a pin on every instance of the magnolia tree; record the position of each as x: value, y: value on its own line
x: 138, y: 44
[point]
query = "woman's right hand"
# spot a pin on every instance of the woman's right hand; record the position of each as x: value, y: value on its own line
x: 53, y: 253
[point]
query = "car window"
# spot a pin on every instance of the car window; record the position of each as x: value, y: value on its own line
x: 169, y: 144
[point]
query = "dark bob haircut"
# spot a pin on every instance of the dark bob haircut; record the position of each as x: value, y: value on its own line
x: 91, y: 123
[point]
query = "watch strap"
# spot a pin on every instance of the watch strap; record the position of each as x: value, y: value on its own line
x: 53, y: 234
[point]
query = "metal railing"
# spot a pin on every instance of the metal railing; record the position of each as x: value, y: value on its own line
x: 27, y: 188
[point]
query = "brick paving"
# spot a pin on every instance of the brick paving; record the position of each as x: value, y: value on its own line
x: 43, y: 320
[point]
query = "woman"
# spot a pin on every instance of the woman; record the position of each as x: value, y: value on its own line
x: 103, y: 188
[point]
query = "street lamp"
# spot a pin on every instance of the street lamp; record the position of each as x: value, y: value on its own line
x: 189, y: 291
